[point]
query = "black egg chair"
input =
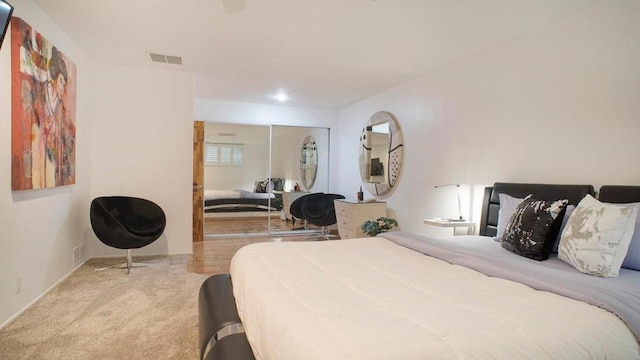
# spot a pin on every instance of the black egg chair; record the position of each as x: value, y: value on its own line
x: 125, y: 222
x: 316, y: 209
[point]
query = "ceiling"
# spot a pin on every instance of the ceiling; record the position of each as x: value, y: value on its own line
x: 323, y: 53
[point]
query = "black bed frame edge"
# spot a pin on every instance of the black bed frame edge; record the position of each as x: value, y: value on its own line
x: 221, y: 334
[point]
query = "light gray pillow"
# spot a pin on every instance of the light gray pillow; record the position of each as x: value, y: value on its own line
x: 508, y: 205
x: 632, y: 260
x: 597, y: 236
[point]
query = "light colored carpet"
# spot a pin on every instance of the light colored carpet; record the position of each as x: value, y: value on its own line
x: 149, y: 314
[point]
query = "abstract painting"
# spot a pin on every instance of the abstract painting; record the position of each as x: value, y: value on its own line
x: 43, y: 108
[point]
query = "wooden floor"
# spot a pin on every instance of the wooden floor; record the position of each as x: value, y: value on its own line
x: 247, y: 225
x: 213, y: 255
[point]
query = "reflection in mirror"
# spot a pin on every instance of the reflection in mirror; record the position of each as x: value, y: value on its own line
x: 237, y: 193
x: 381, y: 152
x: 308, y: 162
x: 379, y: 144
x: 243, y: 194
x: 287, y: 155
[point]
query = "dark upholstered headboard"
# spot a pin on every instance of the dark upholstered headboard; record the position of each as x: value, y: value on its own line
x: 619, y: 194
x: 491, y: 201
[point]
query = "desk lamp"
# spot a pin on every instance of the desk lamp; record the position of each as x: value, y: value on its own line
x: 459, y: 204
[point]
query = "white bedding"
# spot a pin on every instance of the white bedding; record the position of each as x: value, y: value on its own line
x: 235, y: 194
x: 372, y: 299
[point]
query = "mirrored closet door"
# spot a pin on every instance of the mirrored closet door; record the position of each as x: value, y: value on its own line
x: 252, y: 174
x: 300, y: 157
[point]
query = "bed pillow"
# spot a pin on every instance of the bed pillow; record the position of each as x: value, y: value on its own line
x: 533, y: 228
x: 632, y: 260
x: 508, y: 205
x: 597, y: 236
x: 278, y: 184
x: 261, y: 186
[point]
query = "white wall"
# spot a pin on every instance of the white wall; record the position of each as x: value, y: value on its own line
x: 40, y: 228
x: 259, y: 114
x: 142, y: 146
x: 559, y: 105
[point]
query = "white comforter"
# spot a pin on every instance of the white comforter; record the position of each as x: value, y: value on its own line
x: 235, y: 194
x: 372, y: 299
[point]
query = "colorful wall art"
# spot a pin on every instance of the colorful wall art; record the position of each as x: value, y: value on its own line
x: 43, y: 108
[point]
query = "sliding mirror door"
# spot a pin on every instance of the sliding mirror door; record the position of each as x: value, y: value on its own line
x: 236, y: 165
x: 300, y: 157
x: 243, y: 194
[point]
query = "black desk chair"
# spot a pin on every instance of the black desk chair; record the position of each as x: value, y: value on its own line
x: 316, y: 209
x: 127, y: 223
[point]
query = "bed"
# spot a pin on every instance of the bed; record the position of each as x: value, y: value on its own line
x: 240, y: 200
x: 265, y: 196
x: 403, y: 296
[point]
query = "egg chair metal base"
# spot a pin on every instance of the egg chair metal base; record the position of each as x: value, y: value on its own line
x: 127, y: 265
x: 323, y: 235
x: 327, y: 235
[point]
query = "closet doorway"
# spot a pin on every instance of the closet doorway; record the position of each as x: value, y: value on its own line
x: 250, y: 174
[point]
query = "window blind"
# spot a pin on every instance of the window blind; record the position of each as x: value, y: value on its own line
x: 223, y: 154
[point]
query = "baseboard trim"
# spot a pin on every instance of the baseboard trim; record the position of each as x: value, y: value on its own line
x: 30, y: 304
x: 12, y: 318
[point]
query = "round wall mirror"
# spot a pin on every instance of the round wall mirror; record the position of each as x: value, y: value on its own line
x: 308, y: 162
x: 381, y: 153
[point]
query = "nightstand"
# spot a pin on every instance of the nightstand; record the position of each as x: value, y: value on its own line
x: 470, y: 225
x: 351, y: 214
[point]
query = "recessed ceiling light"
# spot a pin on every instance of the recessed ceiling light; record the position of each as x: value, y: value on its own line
x: 282, y: 97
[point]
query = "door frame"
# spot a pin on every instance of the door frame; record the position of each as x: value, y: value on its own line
x: 198, y: 181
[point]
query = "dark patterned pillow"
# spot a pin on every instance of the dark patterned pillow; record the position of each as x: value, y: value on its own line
x: 533, y: 228
x: 260, y: 186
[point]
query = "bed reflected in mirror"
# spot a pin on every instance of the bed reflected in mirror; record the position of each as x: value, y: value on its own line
x: 237, y: 191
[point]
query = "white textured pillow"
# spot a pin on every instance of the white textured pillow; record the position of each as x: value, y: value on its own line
x: 597, y: 236
x: 508, y: 205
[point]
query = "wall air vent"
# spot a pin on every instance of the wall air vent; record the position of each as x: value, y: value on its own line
x: 176, y: 60
x: 165, y: 59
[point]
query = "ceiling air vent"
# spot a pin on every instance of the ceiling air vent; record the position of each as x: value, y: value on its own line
x: 165, y: 59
